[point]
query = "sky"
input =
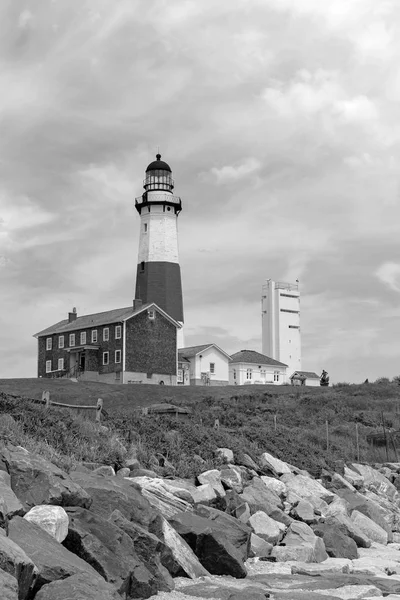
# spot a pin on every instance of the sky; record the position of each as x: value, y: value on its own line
x: 280, y: 120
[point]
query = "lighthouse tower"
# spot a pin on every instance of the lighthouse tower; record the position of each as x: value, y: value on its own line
x: 158, y: 276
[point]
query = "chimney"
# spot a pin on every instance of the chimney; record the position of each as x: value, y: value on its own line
x: 137, y: 304
x: 72, y: 315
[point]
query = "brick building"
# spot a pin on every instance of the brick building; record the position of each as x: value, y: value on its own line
x: 125, y: 345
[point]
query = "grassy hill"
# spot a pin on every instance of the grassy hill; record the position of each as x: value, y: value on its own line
x: 291, y: 423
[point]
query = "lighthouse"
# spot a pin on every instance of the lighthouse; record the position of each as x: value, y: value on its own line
x: 158, y: 275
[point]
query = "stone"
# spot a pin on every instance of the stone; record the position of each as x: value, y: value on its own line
x: 8, y: 586
x: 274, y: 464
x: 124, y: 472
x: 351, y: 529
x: 259, y: 547
x: 111, y: 552
x: 204, y: 494
x: 248, y: 595
x: 307, y: 488
x: 375, y: 481
x: 52, y: 519
x: 337, y: 543
x: 330, y: 565
x: 352, y: 592
x: 259, y: 497
x: 246, y: 461
x: 338, y: 506
x: 353, y: 477
x: 35, y: 480
x: 213, y: 477
x: 338, y: 481
x: 368, y: 507
x: 225, y: 455
x: 276, y: 485
x: 231, y: 478
x: 242, y: 512
x: 138, y: 472
x: 221, y: 549
x: 237, y: 533
x: 79, y: 587
x: 307, y: 546
x: 371, y: 529
x: 51, y: 559
x: 159, y: 497
x: 304, y: 511
x: 178, y: 557
x: 9, y: 503
x: 266, y: 528
x: 110, y: 493
x: 15, y: 562
x: 105, y: 470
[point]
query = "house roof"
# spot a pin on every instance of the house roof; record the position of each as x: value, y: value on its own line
x: 253, y: 357
x: 117, y: 315
x: 307, y: 374
x: 192, y: 351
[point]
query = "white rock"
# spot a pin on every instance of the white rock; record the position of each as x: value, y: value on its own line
x: 352, y: 592
x: 259, y: 547
x: 330, y: 565
x: 269, y: 461
x: 339, y: 506
x: 213, y: 477
x: 204, y: 494
x: 375, y: 481
x: 225, y: 454
x: 274, y: 484
x: 52, y: 519
x: 266, y: 528
x: 353, y: 477
x: 373, y: 531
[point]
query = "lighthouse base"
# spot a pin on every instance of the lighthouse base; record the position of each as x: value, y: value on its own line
x: 160, y: 282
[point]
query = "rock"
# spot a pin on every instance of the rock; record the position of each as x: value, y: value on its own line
x: 52, y: 519
x: 259, y: 497
x: 248, y: 595
x: 221, y: 544
x: 52, y: 560
x: 338, y: 506
x: 352, y: 592
x: 274, y: 464
x: 304, y: 511
x: 143, y: 473
x: 110, y: 493
x: 375, y: 481
x: 330, y: 565
x: 105, y: 470
x: 371, y: 529
x: 78, y: 587
x: 225, y: 455
x: 246, y: 461
x: 337, y: 543
x: 9, y: 503
x: 353, y: 477
x: 110, y: 551
x: 300, y: 543
x: 204, y: 494
x: 368, y: 507
x: 351, y: 529
x: 231, y: 478
x: 179, y: 558
x: 266, y: 528
x: 148, y: 547
x: 213, y: 477
x: 276, y: 485
x: 124, y: 472
x: 259, y: 547
x: 35, y: 480
x: 307, y: 488
x: 159, y: 497
x: 338, y: 481
x: 8, y: 586
x: 242, y: 513
x: 15, y: 562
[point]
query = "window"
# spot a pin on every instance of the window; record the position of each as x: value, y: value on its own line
x: 289, y: 296
x: 295, y: 312
x: 94, y: 336
x: 249, y: 373
x: 49, y: 343
x: 48, y: 366
x: 106, y: 358
x: 106, y: 334
x: 118, y: 332
x: 72, y: 339
x: 212, y: 368
x: 118, y: 356
x: 276, y: 375
x: 145, y: 227
x: 83, y: 337
x: 234, y: 373
x: 142, y: 266
x: 152, y: 314
x: 61, y: 364
x: 61, y: 341
x: 294, y: 327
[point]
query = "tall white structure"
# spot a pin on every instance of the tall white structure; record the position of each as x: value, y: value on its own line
x: 158, y: 275
x: 280, y: 306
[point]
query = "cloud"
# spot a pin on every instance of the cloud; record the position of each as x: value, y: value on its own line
x: 230, y: 173
x: 389, y: 274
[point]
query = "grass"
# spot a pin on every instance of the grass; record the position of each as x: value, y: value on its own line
x: 290, y: 423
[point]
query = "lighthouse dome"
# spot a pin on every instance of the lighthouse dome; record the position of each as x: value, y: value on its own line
x: 158, y: 165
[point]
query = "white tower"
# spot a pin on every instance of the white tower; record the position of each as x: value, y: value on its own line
x: 158, y: 276
x: 280, y: 306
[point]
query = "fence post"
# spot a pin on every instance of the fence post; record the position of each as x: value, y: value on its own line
x: 327, y: 435
x: 386, y: 440
x: 99, y: 408
x: 275, y: 422
x: 46, y: 398
x: 357, y: 444
x: 216, y: 424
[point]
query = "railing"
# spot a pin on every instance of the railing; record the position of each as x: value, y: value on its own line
x: 291, y: 287
x: 97, y: 407
x: 158, y: 198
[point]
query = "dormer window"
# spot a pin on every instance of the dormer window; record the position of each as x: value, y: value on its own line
x: 151, y: 314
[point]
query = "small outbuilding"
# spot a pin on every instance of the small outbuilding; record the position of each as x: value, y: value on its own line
x: 305, y: 378
x: 250, y: 367
x: 207, y: 364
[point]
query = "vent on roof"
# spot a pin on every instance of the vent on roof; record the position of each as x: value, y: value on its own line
x: 72, y: 315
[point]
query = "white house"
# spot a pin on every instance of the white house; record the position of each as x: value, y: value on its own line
x: 203, y: 365
x: 251, y: 367
x: 305, y: 378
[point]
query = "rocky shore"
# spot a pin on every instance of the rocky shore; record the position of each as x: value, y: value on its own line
x: 249, y: 530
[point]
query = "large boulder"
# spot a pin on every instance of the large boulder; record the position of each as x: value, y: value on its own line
x: 237, y: 532
x: 10, y: 506
x: 231, y: 478
x: 337, y: 543
x: 303, y: 511
x: 274, y: 484
x: 350, y: 528
x: 110, y: 493
x: 161, y: 498
x: 276, y: 466
x: 111, y: 552
x: 52, y: 560
x: 266, y: 528
x: 225, y: 455
x: 376, y: 481
x: 371, y: 529
x: 52, y: 519
x: 259, y: 547
x: 8, y: 586
x: 36, y: 480
x: 15, y: 562
x: 213, y: 477
x: 259, y: 497
x: 176, y: 555
x: 308, y: 489
x: 221, y: 548
x: 368, y: 507
x: 300, y: 543
x: 79, y: 587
